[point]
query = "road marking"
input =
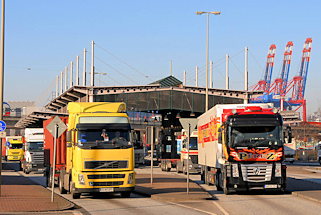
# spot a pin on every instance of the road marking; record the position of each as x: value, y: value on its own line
x: 193, y: 208
x: 220, y: 207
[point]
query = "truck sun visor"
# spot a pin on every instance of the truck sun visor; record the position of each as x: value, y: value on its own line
x: 108, y: 126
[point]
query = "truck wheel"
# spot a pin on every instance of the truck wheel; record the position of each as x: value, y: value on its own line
x: 72, y: 192
x: 206, y: 176
x: 75, y: 195
x: 291, y: 161
x: 225, y: 188
x: 61, y: 187
x: 125, y: 194
x: 219, y: 181
x: 162, y: 166
x: 49, y: 179
x: 178, y: 167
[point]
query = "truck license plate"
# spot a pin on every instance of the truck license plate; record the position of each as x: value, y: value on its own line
x: 271, y: 186
x: 107, y: 189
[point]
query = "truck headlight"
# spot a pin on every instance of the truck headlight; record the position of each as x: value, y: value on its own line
x: 130, y: 178
x: 278, y: 170
x: 81, y: 179
x: 235, y: 170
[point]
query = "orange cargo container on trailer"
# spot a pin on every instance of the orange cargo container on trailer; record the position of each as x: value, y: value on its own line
x: 48, y: 146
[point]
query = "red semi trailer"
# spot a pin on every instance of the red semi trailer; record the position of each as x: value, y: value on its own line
x: 61, y: 155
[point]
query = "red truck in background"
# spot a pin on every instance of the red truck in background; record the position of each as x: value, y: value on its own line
x: 48, y: 147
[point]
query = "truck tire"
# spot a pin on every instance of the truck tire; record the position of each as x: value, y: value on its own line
x: 178, y: 167
x: 75, y: 195
x: 206, y: 176
x: 61, y: 186
x: 49, y: 179
x: 162, y: 165
x: 125, y: 194
x: 225, y: 188
x: 219, y: 181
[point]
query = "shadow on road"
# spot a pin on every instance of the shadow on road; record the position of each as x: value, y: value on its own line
x: 301, y: 185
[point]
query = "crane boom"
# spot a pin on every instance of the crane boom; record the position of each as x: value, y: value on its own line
x: 265, y: 83
x: 299, y: 82
x: 280, y: 83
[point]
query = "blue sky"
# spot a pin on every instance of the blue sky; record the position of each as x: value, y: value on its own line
x: 43, y: 37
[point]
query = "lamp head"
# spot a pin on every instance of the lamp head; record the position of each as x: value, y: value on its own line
x: 216, y: 12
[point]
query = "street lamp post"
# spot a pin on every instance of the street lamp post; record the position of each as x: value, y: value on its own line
x: 200, y: 13
x: 100, y: 73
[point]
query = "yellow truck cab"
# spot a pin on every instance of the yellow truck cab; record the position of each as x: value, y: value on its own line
x: 100, y: 152
x: 14, y: 152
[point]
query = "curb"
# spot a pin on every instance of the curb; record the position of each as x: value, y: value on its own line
x: 305, y: 197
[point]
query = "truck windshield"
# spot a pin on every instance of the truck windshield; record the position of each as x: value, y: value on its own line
x: 102, y: 139
x: 16, y: 146
x: 35, y: 146
x: 192, y: 143
x: 255, y: 136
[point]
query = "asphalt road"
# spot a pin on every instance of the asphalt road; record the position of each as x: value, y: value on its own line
x: 239, y: 203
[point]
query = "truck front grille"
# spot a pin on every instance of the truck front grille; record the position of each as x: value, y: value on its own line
x: 107, y: 176
x: 37, y: 157
x: 110, y: 183
x: 194, y: 159
x: 256, y: 172
x: 106, y: 164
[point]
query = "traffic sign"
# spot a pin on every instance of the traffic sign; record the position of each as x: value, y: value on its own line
x: 189, y: 121
x: 7, y: 143
x: 3, y: 134
x: 2, y: 125
x: 56, y: 122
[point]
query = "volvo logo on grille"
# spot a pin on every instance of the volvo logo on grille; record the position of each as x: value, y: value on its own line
x: 257, y: 171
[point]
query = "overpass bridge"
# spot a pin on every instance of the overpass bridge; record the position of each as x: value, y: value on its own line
x: 168, y: 98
